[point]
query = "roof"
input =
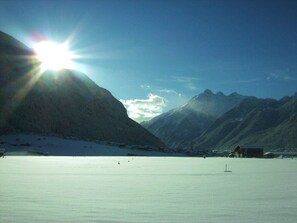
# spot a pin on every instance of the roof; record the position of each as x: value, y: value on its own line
x: 250, y: 147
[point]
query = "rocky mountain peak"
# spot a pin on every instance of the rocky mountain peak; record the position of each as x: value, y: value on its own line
x: 179, y: 126
x: 234, y: 94
x: 208, y: 92
x: 220, y: 94
x: 212, y: 104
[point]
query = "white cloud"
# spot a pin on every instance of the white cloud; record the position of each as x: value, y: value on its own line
x: 243, y: 81
x: 280, y: 76
x: 188, y: 82
x: 168, y: 91
x: 145, y: 109
x: 159, y: 90
x: 185, y: 81
x: 247, y: 81
x: 284, y: 75
x: 145, y: 86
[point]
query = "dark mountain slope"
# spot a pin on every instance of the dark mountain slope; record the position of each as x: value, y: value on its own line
x: 65, y: 103
x: 266, y: 122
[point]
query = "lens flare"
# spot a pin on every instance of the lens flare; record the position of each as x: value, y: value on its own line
x: 54, y: 56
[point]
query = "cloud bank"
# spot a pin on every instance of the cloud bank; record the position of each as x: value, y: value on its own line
x: 144, y: 109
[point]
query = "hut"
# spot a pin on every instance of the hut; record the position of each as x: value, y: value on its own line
x: 248, y: 151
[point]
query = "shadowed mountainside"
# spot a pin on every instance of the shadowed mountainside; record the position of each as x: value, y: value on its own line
x: 265, y: 122
x: 63, y: 103
x: 178, y: 127
x: 215, y: 121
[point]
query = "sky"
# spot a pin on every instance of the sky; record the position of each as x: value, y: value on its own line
x: 155, y: 55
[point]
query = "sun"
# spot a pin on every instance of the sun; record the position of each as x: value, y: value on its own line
x: 54, y: 56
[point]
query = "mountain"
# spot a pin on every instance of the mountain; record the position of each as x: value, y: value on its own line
x: 62, y: 103
x: 178, y: 127
x: 264, y: 122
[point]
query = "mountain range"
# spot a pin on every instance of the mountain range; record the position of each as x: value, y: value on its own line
x: 268, y: 123
x: 68, y: 103
x: 178, y: 127
x: 215, y: 121
x: 61, y: 103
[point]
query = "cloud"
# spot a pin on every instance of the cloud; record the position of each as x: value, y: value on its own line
x: 159, y: 90
x: 242, y: 81
x: 144, y: 109
x: 145, y: 86
x: 248, y: 81
x: 168, y: 91
x: 186, y: 81
x: 280, y: 76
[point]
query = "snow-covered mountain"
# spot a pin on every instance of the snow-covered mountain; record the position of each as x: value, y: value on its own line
x: 216, y: 121
x: 62, y: 103
x: 265, y: 122
x: 178, y: 127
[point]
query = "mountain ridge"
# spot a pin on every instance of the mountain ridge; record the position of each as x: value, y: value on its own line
x: 212, y: 121
x: 267, y: 122
x: 65, y: 102
x: 179, y: 126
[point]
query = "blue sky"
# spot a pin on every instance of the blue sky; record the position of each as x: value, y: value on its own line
x: 156, y: 55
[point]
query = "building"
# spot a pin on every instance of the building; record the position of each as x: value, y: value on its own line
x: 248, y: 151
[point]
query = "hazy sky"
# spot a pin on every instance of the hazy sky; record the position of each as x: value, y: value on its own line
x: 156, y: 55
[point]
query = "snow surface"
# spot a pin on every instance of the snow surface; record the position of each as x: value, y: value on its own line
x: 55, y: 146
x: 146, y: 189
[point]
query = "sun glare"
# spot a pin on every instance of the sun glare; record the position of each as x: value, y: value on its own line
x: 54, y: 56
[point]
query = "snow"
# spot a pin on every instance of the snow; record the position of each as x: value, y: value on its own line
x: 147, y: 189
x: 68, y: 147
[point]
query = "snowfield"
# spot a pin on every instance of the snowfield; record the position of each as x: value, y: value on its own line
x: 146, y: 189
x: 55, y: 146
